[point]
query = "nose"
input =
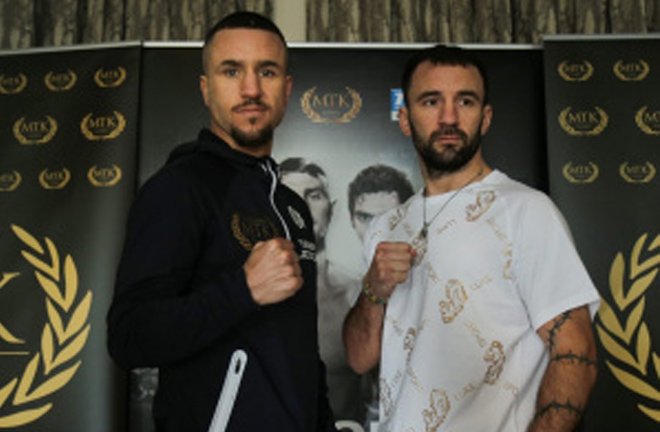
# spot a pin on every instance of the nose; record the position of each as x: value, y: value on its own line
x: 251, y: 85
x: 448, y: 114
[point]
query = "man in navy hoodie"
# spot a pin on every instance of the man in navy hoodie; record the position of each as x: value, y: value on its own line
x: 219, y: 256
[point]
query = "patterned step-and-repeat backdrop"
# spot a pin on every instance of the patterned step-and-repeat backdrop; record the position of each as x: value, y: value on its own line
x: 68, y: 137
x: 70, y: 160
x: 603, y: 116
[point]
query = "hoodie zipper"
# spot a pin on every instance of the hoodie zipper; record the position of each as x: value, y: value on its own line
x: 267, y: 166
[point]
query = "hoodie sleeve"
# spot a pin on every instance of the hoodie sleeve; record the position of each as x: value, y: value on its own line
x: 162, y: 310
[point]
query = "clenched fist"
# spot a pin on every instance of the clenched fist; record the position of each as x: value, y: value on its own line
x: 272, y: 271
x: 390, y: 266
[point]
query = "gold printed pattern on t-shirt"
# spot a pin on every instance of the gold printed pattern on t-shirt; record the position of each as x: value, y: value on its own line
x: 409, y: 342
x: 483, y: 202
x: 456, y: 298
x: 438, y: 409
x: 495, y: 358
x: 398, y: 215
x: 507, y: 273
x: 385, y: 396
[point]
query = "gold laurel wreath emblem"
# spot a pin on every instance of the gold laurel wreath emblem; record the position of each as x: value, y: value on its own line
x: 628, y: 339
x: 597, y: 130
x: 639, y: 120
x: 19, y: 88
x: 116, y: 82
x: 10, y: 187
x: 315, y: 117
x: 52, y: 130
x: 52, y: 86
x: 649, y: 175
x: 95, y: 181
x: 62, y: 338
x: 568, y: 175
x: 84, y: 128
x: 617, y: 68
x: 561, y: 69
x: 59, y: 184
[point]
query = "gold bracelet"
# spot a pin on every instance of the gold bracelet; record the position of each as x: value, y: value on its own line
x: 373, y: 298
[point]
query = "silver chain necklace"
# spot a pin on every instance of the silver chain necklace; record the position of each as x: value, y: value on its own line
x: 419, y: 243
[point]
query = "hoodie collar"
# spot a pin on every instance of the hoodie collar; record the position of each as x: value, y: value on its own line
x: 209, y: 142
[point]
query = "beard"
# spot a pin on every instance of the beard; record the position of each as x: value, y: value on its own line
x: 450, y: 160
x: 254, y: 139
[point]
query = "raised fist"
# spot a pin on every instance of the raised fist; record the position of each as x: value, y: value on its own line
x: 272, y: 271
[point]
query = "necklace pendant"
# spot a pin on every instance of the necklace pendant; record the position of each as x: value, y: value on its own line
x: 419, y: 245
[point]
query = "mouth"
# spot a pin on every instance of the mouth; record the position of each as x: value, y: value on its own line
x: 251, y: 108
x: 448, y: 136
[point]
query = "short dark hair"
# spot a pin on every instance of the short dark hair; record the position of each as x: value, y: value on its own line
x: 379, y: 178
x: 302, y: 165
x: 240, y: 20
x: 443, y: 55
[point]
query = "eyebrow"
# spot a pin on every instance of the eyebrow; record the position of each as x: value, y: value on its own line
x: 433, y: 93
x: 260, y: 64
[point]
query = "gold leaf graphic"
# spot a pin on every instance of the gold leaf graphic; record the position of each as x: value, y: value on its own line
x: 616, y: 350
x: 653, y: 413
x: 62, y: 338
x: 27, y: 238
x: 24, y: 417
x: 633, y: 383
x: 55, y: 321
x: 634, y: 347
x: 6, y: 391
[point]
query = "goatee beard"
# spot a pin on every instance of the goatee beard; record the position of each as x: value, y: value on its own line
x: 437, y: 163
x: 257, y: 139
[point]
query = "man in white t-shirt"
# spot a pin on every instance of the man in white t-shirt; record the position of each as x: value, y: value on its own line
x: 476, y: 303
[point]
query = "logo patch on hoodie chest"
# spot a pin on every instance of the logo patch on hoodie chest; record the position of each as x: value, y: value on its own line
x: 250, y: 230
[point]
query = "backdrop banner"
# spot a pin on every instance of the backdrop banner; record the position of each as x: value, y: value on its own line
x: 342, y: 118
x: 68, y: 134
x: 603, y: 118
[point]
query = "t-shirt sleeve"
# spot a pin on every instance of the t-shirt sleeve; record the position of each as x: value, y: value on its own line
x: 551, y: 276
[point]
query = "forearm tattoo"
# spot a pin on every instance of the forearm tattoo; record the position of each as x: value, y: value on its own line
x: 575, y: 359
x: 556, y: 326
x: 570, y: 356
x: 557, y: 407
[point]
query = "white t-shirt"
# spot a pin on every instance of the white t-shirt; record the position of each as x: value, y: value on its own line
x: 460, y: 350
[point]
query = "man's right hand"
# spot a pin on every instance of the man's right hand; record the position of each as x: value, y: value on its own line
x: 390, y: 266
x: 272, y: 271
x: 363, y: 326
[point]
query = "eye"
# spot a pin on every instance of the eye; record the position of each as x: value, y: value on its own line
x: 315, y: 196
x: 429, y: 102
x: 467, y: 102
x: 266, y: 73
x: 230, y: 72
x: 363, y: 217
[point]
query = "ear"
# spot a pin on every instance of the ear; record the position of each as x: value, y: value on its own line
x: 488, y: 117
x: 203, y: 87
x: 331, y: 210
x: 404, y: 121
x: 289, y: 86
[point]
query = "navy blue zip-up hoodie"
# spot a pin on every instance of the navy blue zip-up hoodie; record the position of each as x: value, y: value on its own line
x: 182, y: 303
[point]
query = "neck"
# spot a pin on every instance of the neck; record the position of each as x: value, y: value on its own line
x: 447, y: 182
x: 258, y: 152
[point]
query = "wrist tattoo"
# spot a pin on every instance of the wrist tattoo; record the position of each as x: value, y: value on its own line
x: 557, y: 325
x: 556, y: 407
x: 574, y: 359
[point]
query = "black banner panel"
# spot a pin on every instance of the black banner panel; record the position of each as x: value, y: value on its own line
x: 68, y: 134
x: 341, y: 118
x: 603, y: 119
